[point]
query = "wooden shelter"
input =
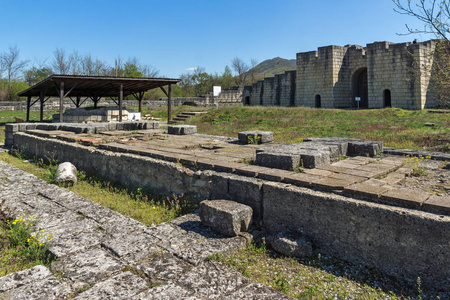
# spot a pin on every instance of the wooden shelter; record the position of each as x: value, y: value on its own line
x: 80, y: 88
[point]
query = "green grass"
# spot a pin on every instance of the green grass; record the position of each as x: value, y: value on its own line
x: 393, y: 126
x: 7, y: 116
x: 317, y: 277
x: 138, y: 204
x: 20, y: 248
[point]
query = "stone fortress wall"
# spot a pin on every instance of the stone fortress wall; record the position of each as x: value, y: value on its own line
x: 382, y: 74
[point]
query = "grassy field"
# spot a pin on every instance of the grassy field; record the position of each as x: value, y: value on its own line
x: 7, y: 116
x: 393, y: 126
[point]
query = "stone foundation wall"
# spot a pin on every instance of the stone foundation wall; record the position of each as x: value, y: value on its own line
x: 402, y: 242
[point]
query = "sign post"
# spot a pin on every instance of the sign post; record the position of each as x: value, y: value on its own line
x: 357, y: 99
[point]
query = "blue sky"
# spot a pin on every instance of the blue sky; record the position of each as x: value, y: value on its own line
x: 174, y: 35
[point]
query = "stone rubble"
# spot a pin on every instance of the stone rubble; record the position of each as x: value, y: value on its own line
x: 102, y: 254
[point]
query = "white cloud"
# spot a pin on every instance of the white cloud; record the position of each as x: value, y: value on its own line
x: 191, y: 69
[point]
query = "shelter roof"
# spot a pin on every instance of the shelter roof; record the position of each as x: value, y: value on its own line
x: 98, y: 86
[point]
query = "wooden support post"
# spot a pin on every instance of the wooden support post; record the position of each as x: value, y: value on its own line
x: 141, y: 96
x: 41, y: 102
x: 120, y: 102
x: 78, y: 101
x: 96, y: 98
x: 169, y: 105
x: 61, y: 101
x: 28, y: 108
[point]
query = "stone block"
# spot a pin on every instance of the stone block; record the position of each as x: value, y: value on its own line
x: 247, y: 191
x: 293, y: 247
x: 365, y: 190
x: 255, y: 137
x: 12, y: 127
x: 182, y: 129
x: 408, y: 198
x: 9, y: 142
x: 313, y: 159
x: 278, y: 160
x: 54, y: 126
x: 22, y: 127
x: 122, y: 286
x: 368, y: 148
x: 24, y: 277
x: 328, y: 183
x: 9, y: 135
x: 439, y: 204
x: 227, y: 217
x: 31, y: 126
x: 119, y: 125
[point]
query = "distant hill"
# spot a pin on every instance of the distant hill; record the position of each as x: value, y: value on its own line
x: 270, y: 67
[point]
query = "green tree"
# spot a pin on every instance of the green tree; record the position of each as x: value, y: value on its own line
x: 35, y: 75
x: 131, y: 70
x: 227, y: 79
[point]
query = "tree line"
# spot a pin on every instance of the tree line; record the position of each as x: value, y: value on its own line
x: 17, y: 74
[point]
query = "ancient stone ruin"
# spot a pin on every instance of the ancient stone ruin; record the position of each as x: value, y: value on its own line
x: 354, y: 209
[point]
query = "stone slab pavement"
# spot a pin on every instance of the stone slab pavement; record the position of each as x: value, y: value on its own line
x: 101, y: 254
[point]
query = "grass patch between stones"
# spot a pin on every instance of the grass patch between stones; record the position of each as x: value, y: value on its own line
x: 138, y: 204
x: 319, y: 277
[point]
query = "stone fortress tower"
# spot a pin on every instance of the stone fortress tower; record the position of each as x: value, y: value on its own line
x: 382, y: 74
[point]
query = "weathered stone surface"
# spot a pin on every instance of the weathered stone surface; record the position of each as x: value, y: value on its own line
x: 278, y: 160
x: 365, y: 148
x: 439, y: 204
x: 294, y: 247
x: 405, y: 197
x: 44, y: 289
x: 255, y: 137
x: 24, y: 277
x: 166, y: 292
x: 199, y: 252
x: 86, y: 268
x: 121, y: 286
x: 66, y: 173
x: 163, y: 267
x: 366, y: 190
x: 212, y: 280
x: 285, y: 156
x: 69, y: 243
x: 227, y: 217
x: 182, y: 129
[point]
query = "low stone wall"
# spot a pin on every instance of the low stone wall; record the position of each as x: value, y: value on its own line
x: 402, y: 242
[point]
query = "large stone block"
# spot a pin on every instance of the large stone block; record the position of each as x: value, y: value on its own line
x: 182, y: 129
x: 278, y: 160
x: 226, y: 217
x: 12, y: 127
x: 368, y: 148
x: 255, y: 137
x: 42, y: 126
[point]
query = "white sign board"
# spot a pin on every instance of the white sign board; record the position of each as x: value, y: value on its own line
x: 134, y: 116
x: 217, y: 90
x: 357, y: 98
